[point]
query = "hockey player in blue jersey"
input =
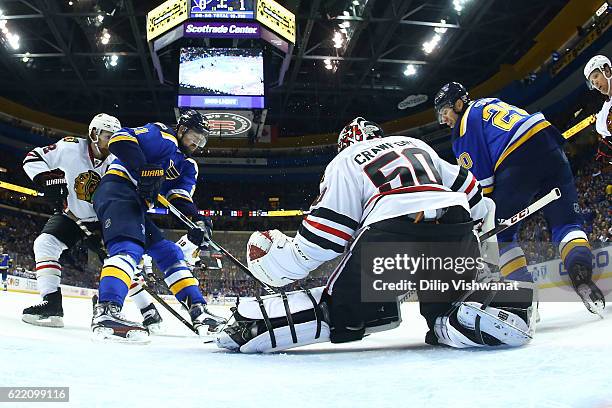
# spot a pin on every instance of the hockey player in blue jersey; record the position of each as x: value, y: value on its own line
x: 5, y: 263
x: 516, y: 157
x: 151, y: 160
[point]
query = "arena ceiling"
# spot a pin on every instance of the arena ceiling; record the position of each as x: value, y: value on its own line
x: 64, y: 67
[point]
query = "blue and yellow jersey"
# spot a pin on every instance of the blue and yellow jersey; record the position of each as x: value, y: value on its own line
x: 154, y: 143
x: 488, y: 132
x: 5, y: 261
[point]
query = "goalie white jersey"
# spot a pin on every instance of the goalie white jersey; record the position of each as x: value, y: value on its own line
x: 377, y: 180
x: 83, y: 172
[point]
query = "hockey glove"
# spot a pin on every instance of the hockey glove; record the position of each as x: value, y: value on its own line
x: 53, y: 185
x: 201, y: 235
x: 150, y: 182
x: 274, y: 258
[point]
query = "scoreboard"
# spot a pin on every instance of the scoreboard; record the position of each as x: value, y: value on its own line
x: 222, y: 9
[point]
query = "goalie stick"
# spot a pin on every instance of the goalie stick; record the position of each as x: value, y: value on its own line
x: 216, y: 246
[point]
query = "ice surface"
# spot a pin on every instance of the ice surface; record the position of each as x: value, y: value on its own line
x: 569, y: 364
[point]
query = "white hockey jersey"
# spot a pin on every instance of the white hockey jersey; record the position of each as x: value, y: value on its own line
x: 377, y: 180
x: 601, y: 124
x: 83, y: 172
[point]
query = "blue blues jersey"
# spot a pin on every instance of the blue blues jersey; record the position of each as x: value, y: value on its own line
x: 5, y: 261
x: 488, y: 132
x: 154, y: 143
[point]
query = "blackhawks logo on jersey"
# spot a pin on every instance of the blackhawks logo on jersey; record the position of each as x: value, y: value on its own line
x: 85, y: 185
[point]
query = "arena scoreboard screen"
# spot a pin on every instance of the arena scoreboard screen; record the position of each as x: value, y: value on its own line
x: 222, y: 9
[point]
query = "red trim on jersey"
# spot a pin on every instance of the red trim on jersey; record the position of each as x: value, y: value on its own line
x: 413, y: 189
x: 469, y: 188
x: 48, y: 266
x: 328, y: 229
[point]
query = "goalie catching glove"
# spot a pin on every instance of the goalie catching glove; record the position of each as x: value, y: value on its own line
x: 276, y: 260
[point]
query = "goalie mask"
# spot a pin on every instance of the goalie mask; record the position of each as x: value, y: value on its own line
x: 358, y: 130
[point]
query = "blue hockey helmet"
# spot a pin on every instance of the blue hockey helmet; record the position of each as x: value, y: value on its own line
x: 193, y: 120
x: 448, y: 95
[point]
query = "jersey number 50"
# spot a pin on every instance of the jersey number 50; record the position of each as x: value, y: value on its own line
x: 504, y: 116
x: 416, y: 168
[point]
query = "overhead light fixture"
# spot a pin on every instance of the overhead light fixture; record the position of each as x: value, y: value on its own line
x: 430, y: 45
x: 26, y: 57
x: 410, y: 70
x: 338, y: 39
x: 100, y: 18
x: 441, y: 30
x: 459, y: 5
x: 346, y: 13
x: 13, y: 40
x: 105, y: 37
x: 113, y: 60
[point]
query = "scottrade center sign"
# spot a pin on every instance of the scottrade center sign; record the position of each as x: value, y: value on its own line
x: 199, y: 29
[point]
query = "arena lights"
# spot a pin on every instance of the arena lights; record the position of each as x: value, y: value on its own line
x: 441, y: 30
x: 338, y: 39
x: 460, y: 5
x: 11, y: 38
x: 26, y: 57
x: 410, y: 70
x: 430, y: 45
x: 105, y: 37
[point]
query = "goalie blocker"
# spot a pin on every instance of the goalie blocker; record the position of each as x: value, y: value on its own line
x: 336, y: 312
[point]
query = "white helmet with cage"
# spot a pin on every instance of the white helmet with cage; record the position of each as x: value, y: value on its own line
x: 598, y: 62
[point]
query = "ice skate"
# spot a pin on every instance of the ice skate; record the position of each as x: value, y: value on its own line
x: 109, y: 324
x: 48, y: 313
x: 591, y: 295
x: 204, y: 321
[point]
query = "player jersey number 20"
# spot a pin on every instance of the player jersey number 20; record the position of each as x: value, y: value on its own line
x: 503, y: 115
x: 414, y: 167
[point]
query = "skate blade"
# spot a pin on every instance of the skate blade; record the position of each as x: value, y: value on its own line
x: 107, y: 334
x: 586, y: 294
x: 517, y: 332
x: 156, y: 328
x: 52, y: 321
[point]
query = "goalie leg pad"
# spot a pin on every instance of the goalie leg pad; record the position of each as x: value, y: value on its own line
x: 504, y: 325
x: 271, y: 329
x: 471, y: 325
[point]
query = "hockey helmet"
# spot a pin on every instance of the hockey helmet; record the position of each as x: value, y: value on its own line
x: 448, y: 95
x: 102, y: 121
x: 358, y: 130
x: 194, y: 120
x: 598, y: 62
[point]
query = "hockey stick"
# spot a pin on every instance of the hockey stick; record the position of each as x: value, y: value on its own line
x: 166, y: 306
x: 553, y: 195
x: 20, y: 189
x: 216, y: 246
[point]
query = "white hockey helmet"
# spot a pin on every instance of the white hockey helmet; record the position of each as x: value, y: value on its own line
x: 358, y: 130
x: 102, y: 121
x: 598, y: 62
